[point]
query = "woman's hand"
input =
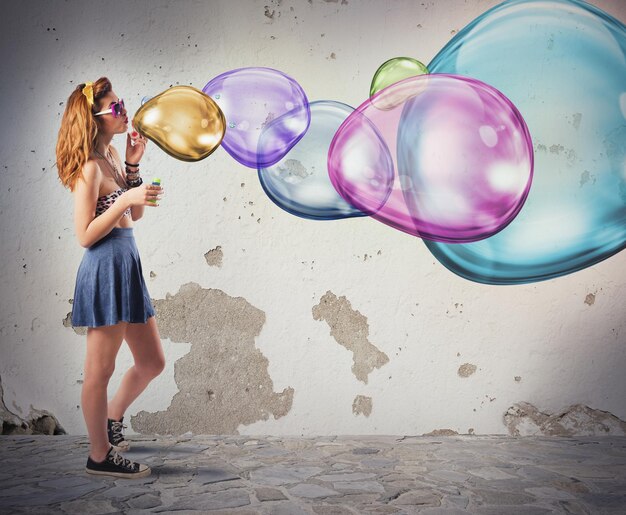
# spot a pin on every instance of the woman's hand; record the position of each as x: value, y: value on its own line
x: 144, y: 195
x: 134, y: 153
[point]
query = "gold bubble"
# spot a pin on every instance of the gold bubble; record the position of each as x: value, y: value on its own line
x: 183, y: 121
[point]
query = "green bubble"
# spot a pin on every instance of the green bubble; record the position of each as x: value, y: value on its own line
x: 394, y: 70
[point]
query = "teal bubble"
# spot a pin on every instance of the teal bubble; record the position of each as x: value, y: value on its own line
x: 299, y: 183
x: 563, y: 64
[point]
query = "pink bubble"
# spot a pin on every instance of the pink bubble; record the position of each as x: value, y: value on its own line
x: 442, y: 157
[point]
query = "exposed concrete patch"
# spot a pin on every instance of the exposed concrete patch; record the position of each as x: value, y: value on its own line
x: 466, y: 370
x: 67, y: 322
x: 590, y: 299
x: 362, y: 405
x: 350, y: 328
x: 223, y: 380
x: 214, y: 257
x: 39, y: 422
x: 442, y: 432
x: 524, y: 419
x: 293, y: 171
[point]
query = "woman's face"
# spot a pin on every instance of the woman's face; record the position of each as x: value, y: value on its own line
x: 108, y: 123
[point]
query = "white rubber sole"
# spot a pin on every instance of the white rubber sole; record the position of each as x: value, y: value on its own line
x: 142, y: 473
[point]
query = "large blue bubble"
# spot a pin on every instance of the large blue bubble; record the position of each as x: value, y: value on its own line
x: 299, y: 182
x: 563, y: 64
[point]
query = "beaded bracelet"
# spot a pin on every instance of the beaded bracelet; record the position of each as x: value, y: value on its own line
x: 134, y: 183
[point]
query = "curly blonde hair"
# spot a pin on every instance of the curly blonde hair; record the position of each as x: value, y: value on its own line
x: 78, y: 132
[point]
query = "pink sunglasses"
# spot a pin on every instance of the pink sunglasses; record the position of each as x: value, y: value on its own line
x: 115, y: 108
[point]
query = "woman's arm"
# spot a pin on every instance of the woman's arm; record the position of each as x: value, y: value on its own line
x: 136, y: 212
x: 89, y: 227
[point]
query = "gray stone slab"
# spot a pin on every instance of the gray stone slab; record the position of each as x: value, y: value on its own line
x: 449, y: 475
x: 491, y: 473
x: 353, y: 476
x: 207, y: 475
x: 264, y: 494
x: 418, y: 498
x: 145, y: 502
x: 286, y: 508
x: 500, y: 497
x: 365, y: 450
x: 278, y: 475
x: 47, y: 497
x: 359, y: 486
x: 333, y: 510
x: 210, y: 501
x: 311, y: 491
x: 546, y: 492
x: 90, y: 507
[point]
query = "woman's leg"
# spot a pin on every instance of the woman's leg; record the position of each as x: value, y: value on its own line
x: 103, y: 343
x: 145, y: 345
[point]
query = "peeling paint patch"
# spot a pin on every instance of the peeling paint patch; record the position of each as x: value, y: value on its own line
x: 524, y: 419
x: 466, y: 370
x: 362, y: 405
x: 442, y: 432
x: 585, y: 177
x: 292, y: 171
x: 214, y: 257
x: 590, y: 299
x: 350, y: 329
x: 38, y: 422
x: 67, y: 322
x: 223, y: 380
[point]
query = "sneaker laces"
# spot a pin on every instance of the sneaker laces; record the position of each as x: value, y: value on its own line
x: 117, y: 429
x: 121, y: 461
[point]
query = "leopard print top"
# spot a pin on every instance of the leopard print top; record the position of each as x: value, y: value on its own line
x: 106, y: 201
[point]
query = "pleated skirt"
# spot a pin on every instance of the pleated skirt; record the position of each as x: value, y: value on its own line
x: 110, y: 287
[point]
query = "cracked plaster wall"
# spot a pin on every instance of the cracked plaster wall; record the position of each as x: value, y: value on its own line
x: 344, y: 327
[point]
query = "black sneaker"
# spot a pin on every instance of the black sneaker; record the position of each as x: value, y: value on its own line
x: 115, y: 428
x: 116, y: 465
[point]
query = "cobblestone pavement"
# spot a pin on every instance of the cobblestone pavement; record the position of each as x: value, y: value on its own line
x: 322, y: 475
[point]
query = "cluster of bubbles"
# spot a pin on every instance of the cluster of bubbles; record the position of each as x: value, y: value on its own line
x: 444, y: 151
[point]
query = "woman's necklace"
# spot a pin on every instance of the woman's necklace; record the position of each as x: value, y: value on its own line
x: 117, y: 176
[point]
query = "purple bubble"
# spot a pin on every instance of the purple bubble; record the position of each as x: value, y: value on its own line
x: 250, y: 98
x: 455, y: 153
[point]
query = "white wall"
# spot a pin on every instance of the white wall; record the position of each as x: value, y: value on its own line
x: 425, y: 319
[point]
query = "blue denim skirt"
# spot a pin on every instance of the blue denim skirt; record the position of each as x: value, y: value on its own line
x: 110, y: 287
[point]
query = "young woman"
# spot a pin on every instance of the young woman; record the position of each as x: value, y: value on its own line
x: 110, y: 297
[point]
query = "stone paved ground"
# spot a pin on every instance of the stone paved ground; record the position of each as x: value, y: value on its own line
x: 323, y: 475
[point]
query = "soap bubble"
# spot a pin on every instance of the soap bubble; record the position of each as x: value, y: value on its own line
x: 394, y: 70
x: 250, y: 99
x: 448, y: 158
x: 299, y: 182
x: 563, y: 65
x: 183, y: 121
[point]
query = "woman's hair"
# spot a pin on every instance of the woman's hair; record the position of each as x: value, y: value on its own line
x: 78, y: 132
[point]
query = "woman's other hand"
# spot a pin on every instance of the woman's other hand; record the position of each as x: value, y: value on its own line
x: 144, y: 195
x: 134, y: 152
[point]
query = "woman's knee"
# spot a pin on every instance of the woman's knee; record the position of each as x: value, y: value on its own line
x: 152, y: 367
x: 99, y: 372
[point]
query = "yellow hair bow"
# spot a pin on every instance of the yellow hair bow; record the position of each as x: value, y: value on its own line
x: 88, y: 92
